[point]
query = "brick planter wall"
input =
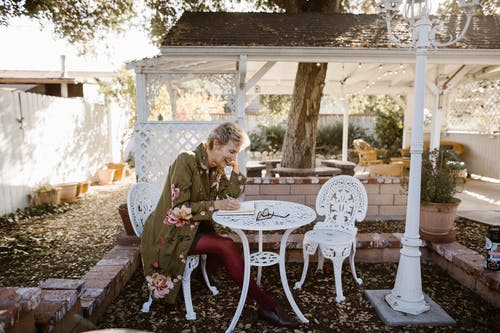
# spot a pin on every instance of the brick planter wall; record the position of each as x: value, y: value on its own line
x: 386, y: 197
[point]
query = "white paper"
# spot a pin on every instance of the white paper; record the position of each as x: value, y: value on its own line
x: 246, y: 208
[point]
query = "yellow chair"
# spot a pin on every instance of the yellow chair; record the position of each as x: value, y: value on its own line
x: 367, y: 154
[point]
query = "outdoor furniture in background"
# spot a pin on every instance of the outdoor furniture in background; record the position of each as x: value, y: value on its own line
x: 458, y: 148
x: 394, y: 169
x: 254, y: 168
x: 453, y: 151
x: 141, y: 201
x: 268, y: 216
x: 367, y: 154
x: 343, y: 201
x: 405, y: 161
x: 272, y: 163
x: 346, y: 167
x: 305, y: 172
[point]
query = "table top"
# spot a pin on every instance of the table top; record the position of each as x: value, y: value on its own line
x: 280, y: 215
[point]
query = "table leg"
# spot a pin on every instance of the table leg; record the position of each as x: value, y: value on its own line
x: 284, y: 280
x: 246, y: 279
x: 259, y: 268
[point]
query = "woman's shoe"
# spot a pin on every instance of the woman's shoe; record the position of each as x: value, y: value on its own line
x: 278, y: 317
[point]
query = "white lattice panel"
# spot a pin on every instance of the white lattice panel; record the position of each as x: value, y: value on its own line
x: 158, y: 144
x: 474, y: 106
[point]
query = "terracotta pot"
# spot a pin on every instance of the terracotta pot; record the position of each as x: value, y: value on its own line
x: 127, y: 224
x: 68, y: 192
x: 78, y: 189
x: 84, y: 186
x: 119, y: 170
x: 105, y: 176
x: 438, y: 218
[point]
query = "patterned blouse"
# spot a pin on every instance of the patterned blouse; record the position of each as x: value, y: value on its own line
x: 183, y: 211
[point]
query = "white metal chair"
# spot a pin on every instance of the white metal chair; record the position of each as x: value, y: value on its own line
x: 141, y: 201
x: 342, y: 200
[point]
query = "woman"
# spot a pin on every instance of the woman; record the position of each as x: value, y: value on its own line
x: 182, y: 223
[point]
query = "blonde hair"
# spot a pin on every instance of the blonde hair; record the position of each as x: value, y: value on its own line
x: 226, y: 132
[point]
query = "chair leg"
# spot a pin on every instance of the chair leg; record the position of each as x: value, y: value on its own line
x: 298, y: 284
x: 191, y: 263
x: 145, y: 306
x: 353, y: 267
x: 212, y: 289
x: 337, y: 270
x: 321, y: 261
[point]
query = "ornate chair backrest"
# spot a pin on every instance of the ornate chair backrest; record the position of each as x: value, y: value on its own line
x: 141, y: 201
x: 343, y: 201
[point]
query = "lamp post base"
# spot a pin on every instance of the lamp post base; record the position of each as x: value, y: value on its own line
x: 414, y: 308
x: 436, y: 316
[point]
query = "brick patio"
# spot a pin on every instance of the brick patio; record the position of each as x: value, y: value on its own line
x: 67, y: 306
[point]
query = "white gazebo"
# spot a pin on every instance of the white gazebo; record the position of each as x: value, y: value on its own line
x: 242, y: 55
x: 238, y: 56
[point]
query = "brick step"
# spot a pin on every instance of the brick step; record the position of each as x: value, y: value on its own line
x: 17, y: 309
x: 106, y: 279
x: 60, y: 308
x: 467, y: 267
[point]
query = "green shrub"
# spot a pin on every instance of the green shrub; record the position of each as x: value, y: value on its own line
x: 329, y: 138
x: 267, y: 138
x: 439, y: 181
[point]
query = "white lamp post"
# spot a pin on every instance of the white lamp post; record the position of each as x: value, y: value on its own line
x: 407, y: 296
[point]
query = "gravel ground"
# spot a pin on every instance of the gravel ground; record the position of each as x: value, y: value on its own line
x: 68, y: 244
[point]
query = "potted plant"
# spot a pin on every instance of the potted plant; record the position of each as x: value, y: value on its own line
x: 438, y: 206
x: 46, y: 194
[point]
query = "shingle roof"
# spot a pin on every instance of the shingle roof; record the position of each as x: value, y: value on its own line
x: 315, y: 30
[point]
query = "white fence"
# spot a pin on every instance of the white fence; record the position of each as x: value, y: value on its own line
x: 482, y: 152
x: 47, y: 139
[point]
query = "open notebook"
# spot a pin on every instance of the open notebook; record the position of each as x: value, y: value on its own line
x: 246, y: 208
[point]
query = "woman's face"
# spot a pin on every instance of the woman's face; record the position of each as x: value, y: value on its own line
x: 224, y: 155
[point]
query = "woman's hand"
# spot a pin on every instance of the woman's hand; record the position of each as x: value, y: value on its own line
x: 227, y: 204
x: 235, y: 166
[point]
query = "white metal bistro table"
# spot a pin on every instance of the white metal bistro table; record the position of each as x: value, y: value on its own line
x: 269, y: 215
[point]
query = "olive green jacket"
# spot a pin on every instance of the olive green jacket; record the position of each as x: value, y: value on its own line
x: 170, y: 231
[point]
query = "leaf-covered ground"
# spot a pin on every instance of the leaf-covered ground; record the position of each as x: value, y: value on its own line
x: 66, y: 245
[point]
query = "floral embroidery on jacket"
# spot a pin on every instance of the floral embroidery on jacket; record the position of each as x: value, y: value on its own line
x: 160, y: 285
x: 178, y: 216
x: 174, y: 192
x: 216, y: 180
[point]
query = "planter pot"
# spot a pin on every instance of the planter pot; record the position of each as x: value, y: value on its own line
x: 78, y: 189
x: 51, y: 197
x: 436, y: 221
x: 105, y: 176
x: 68, y: 192
x: 84, y: 187
x: 119, y: 170
x: 127, y: 224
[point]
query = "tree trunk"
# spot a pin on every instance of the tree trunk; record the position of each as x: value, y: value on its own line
x: 300, y: 139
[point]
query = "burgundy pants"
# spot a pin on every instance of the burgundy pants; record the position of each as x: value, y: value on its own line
x: 223, y: 249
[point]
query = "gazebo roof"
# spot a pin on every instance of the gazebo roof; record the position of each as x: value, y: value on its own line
x: 315, y: 30
x: 360, y: 56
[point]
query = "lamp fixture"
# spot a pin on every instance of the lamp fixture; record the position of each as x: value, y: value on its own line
x: 407, y: 296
